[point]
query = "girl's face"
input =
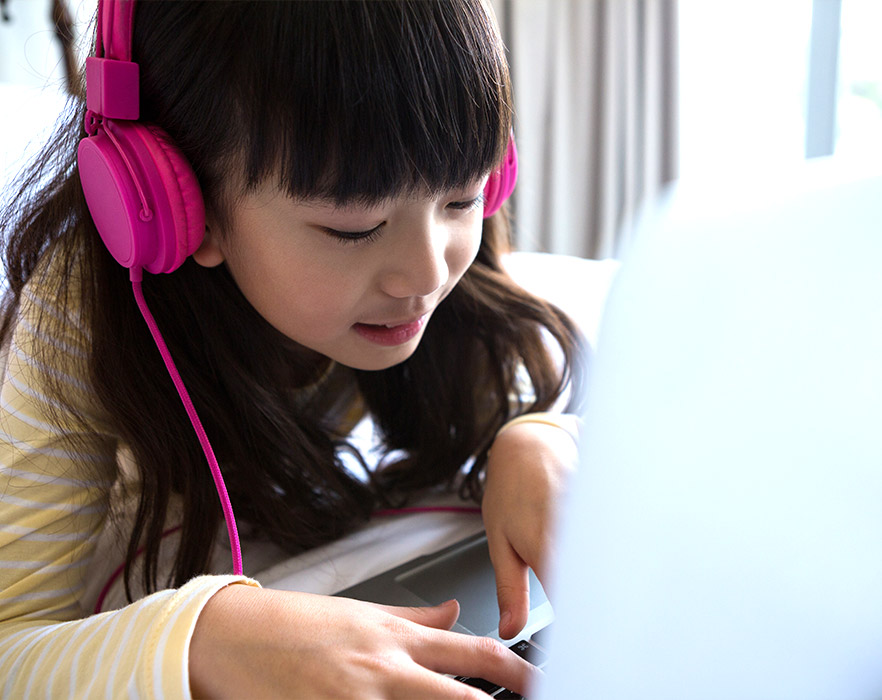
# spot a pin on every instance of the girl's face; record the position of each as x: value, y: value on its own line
x: 358, y: 283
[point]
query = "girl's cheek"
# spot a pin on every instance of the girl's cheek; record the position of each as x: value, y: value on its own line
x: 470, y: 248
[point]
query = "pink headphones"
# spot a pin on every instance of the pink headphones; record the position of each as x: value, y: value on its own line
x: 140, y: 189
x: 501, y: 183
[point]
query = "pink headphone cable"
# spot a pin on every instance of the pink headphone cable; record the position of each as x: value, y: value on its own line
x: 135, y: 276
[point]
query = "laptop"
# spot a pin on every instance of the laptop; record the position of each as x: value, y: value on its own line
x: 722, y: 538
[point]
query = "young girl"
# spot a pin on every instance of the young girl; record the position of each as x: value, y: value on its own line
x: 344, y: 269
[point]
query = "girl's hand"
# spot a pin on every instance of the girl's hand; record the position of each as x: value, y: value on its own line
x: 251, y: 642
x: 526, y: 473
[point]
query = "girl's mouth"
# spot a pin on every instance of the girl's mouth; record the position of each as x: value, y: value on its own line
x: 391, y: 335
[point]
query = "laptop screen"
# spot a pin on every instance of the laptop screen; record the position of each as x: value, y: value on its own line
x: 723, y: 536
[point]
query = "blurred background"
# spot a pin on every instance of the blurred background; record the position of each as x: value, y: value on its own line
x: 613, y: 98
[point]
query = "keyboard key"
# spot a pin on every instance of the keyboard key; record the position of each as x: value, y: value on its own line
x: 530, y: 652
x: 479, y: 683
x: 540, y: 637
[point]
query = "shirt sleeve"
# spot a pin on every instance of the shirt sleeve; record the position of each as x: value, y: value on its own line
x: 140, y: 650
x: 55, y: 479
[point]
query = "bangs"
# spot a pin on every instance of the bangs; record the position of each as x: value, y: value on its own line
x: 361, y: 101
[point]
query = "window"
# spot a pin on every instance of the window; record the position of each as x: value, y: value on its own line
x: 858, y: 132
x: 766, y: 82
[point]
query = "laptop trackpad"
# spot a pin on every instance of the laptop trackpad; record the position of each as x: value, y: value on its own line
x: 464, y: 573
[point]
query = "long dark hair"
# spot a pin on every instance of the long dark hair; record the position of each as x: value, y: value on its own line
x: 355, y: 101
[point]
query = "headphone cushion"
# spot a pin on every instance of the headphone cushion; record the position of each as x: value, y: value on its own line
x: 142, y: 194
x: 183, y: 194
x: 501, y: 183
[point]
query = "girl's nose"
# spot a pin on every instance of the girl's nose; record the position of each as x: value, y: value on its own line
x: 418, y: 266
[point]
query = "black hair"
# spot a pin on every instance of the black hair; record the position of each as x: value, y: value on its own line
x: 352, y: 101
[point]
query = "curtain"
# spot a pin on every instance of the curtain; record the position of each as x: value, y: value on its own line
x: 595, y: 90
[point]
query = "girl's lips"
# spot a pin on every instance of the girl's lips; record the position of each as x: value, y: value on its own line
x: 396, y: 335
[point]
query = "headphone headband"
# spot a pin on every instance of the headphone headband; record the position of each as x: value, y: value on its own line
x: 112, y: 80
x: 114, y: 36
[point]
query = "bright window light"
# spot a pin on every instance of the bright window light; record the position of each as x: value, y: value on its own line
x: 743, y: 73
x: 859, y: 113
x: 745, y: 79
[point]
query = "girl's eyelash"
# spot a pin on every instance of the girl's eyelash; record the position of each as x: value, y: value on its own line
x: 357, y: 237
x: 354, y: 237
x: 470, y: 204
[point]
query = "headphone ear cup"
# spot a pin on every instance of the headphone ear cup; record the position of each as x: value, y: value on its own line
x: 143, y: 195
x: 502, y: 181
x: 184, y: 194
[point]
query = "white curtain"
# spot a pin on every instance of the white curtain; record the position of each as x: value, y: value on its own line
x: 595, y: 117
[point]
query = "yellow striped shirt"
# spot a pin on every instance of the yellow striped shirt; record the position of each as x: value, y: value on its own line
x: 53, y: 512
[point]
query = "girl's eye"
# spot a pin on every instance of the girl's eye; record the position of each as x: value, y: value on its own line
x: 468, y: 205
x: 352, y: 237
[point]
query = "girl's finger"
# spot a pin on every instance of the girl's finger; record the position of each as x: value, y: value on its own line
x: 512, y: 588
x: 441, y: 616
x: 426, y: 685
x: 474, y: 657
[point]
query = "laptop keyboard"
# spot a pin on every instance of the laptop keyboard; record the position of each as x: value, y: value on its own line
x: 533, y: 650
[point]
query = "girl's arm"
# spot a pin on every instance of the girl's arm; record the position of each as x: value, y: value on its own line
x: 527, y: 471
x: 139, y: 650
x: 55, y: 481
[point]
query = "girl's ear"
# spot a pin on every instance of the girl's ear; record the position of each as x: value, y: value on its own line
x: 209, y: 253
